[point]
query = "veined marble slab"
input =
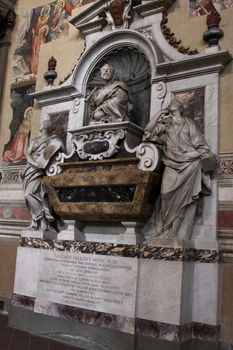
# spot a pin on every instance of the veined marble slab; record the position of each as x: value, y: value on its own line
x: 27, y: 270
x: 99, y: 283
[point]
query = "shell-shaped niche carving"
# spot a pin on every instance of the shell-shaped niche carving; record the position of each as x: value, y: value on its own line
x: 130, y: 66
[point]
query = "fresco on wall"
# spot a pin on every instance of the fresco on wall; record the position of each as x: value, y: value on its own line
x: 21, y: 103
x: 39, y: 26
x: 203, y: 7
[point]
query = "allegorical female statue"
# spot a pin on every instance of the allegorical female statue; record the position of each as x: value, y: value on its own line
x: 39, y: 156
x: 188, y: 160
x: 110, y: 103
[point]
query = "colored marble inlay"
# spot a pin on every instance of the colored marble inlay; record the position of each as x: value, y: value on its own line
x: 203, y: 331
x: 91, y: 194
x: 141, y: 251
x: 142, y: 327
x: 225, y: 219
x: 171, y: 332
x: 226, y: 167
x: 94, y: 318
x: 10, y: 176
x: 14, y: 213
x: 22, y: 300
x: 163, y: 331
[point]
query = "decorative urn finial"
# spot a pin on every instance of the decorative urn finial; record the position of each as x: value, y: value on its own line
x: 51, y: 74
x: 214, y: 33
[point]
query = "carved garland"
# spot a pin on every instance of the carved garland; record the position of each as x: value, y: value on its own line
x: 170, y: 37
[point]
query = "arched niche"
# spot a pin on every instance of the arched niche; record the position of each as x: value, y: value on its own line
x: 132, y: 67
x: 133, y: 56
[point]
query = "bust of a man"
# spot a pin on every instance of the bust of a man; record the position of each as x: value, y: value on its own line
x: 111, y: 103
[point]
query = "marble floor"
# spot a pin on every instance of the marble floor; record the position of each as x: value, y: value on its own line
x: 14, y: 339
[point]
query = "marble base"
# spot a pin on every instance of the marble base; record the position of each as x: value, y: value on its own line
x: 169, y: 332
x: 175, y: 286
x: 167, y: 242
x: 71, y: 330
x: 67, y: 234
x: 165, y: 291
x: 143, y: 328
x: 39, y: 234
x: 116, y: 233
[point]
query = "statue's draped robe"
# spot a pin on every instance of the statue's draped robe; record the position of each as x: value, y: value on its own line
x: 114, y: 101
x: 35, y: 194
x: 183, y: 179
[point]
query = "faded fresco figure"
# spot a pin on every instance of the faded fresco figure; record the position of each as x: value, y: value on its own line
x: 59, y: 21
x: 40, y: 39
x: 111, y: 103
x: 39, y: 156
x: 16, y: 150
x: 188, y: 161
x: 21, y: 103
x: 38, y: 26
x: 21, y: 64
x: 40, y: 33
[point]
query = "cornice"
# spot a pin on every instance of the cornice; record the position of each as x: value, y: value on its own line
x: 204, y: 63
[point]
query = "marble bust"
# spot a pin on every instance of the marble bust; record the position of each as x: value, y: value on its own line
x: 111, y: 103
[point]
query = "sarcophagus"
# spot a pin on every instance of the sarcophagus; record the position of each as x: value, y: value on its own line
x: 111, y: 189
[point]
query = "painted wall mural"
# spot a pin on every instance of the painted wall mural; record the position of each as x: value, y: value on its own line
x: 40, y: 25
x: 203, y: 7
x: 21, y: 103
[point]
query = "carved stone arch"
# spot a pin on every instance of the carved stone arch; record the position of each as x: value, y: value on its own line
x: 102, y: 47
x: 130, y: 66
x: 134, y: 60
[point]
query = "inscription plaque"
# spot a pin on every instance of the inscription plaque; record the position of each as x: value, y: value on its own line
x: 94, y: 282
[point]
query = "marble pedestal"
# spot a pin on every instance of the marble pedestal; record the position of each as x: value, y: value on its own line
x: 110, y: 232
x: 67, y: 234
x: 171, y: 293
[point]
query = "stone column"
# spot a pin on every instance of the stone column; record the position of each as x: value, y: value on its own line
x: 7, y: 21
